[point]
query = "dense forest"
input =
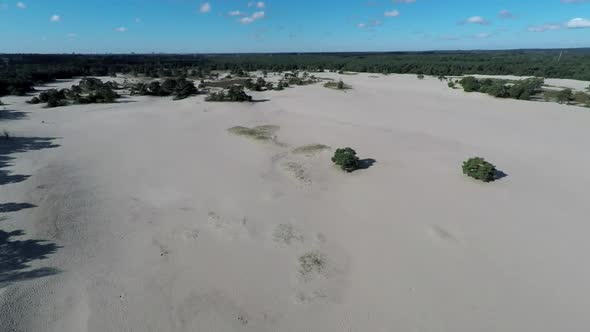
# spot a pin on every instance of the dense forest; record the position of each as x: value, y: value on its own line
x: 20, y: 72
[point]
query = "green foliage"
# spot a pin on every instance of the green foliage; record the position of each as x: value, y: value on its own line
x: 470, y: 84
x: 233, y: 94
x: 564, y: 96
x: 479, y: 169
x: 180, y: 88
x: 451, y: 85
x: 340, y: 85
x: 420, y: 76
x: 346, y: 158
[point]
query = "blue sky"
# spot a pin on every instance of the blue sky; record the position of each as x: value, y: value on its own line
x: 123, y: 26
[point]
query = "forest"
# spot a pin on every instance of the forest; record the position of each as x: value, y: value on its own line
x: 20, y: 72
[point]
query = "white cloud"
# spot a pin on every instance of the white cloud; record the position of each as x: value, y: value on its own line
x: 505, y: 14
x: 137, y: 20
x: 55, y: 18
x: 577, y: 23
x: 476, y: 20
x: 372, y: 23
x: 21, y: 5
x: 544, y: 27
x: 254, y: 17
x: 260, y: 4
x: 246, y: 20
x: 391, y: 13
x: 205, y: 7
x: 235, y: 13
x: 482, y: 35
x: 258, y: 15
x: 404, y: 1
x: 121, y: 29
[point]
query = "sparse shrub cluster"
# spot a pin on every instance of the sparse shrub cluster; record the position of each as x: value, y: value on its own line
x: 347, y: 160
x: 522, y: 89
x: 233, y: 94
x: 88, y: 91
x: 340, y: 85
x: 479, y: 169
x: 180, y: 88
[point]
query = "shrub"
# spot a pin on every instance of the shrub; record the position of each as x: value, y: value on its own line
x: 451, y: 85
x: 346, y: 158
x: 470, y: 84
x: 479, y: 169
x: 564, y: 96
x: 420, y: 77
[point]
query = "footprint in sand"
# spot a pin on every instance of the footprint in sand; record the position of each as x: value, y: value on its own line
x: 230, y: 227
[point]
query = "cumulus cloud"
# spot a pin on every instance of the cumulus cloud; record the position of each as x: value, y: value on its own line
x: 372, y: 23
x: 578, y: 23
x: 476, y: 20
x: 55, y: 18
x: 482, y: 35
x: 235, y: 13
x: 544, y: 27
x: 257, y: 4
x: 205, y: 7
x: 21, y: 5
x: 121, y: 29
x: 505, y: 14
x: 254, y: 17
x: 391, y: 13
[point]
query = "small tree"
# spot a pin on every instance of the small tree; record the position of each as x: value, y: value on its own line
x: 479, y: 169
x: 340, y: 85
x: 564, y: 96
x: 346, y: 158
x: 420, y: 76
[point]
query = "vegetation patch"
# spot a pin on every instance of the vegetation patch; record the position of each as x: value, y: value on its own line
x: 340, y: 85
x: 89, y: 91
x: 287, y: 233
x: 262, y: 133
x: 311, y: 262
x: 347, y: 160
x: 233, y: 94
x: 310, y: 149
x: 479, y: 169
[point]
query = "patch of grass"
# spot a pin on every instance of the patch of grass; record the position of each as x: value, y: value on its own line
x: 262, y: 133
x: 313, y: 261
x: 310, y: 149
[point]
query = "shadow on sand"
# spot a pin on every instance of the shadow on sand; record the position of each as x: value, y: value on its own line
x: 6, y: 115
x: 17, y: 255
x: 9, y: 146
x: 366, y: 163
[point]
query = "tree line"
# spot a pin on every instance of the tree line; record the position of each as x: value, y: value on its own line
x: 19, y: 73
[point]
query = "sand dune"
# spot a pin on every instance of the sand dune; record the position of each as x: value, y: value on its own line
x: 156, y: 218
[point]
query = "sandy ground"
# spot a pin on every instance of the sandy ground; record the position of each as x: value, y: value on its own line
x: 148, y: 215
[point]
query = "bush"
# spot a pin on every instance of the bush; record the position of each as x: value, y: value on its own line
x: 451, y: 85
x: 564, y: 96
x: 470, y: 84
x: 420, y: 77
x: 346, y: 158
x: 479, y: 169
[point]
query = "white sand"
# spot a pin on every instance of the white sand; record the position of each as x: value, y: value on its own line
x: 166, y: 222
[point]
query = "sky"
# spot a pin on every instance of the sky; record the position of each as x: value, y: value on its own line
x: 228, y: 26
